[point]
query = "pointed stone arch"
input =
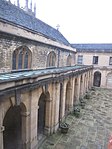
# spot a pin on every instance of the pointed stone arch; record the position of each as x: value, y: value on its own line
x: 14, y: 122
x: 97, y: 78
x: 44, y: 115
x: 12, y: 133
x: 51, y: 59
x: 69, y: 60
x: 68, y: 97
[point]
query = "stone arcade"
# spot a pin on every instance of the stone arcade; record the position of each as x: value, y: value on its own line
x: 39, y: 81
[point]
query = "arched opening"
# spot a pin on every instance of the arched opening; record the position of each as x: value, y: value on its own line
x: 109, y: 80
x: 51, y: 59
x: 97, y: 79
x: 69, y: 58
x: 68, y: 98
x: 12, y: 137
x: 41, y: 113
x: 21, y: 58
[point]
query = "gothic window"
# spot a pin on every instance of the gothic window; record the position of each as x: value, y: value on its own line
x: 51, y: 59
x: 80, y: 59
x: 69, y: 60
x: 110, y: 61
x: 21, y: 58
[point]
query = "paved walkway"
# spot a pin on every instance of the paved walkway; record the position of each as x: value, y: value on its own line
x: 91, y: 130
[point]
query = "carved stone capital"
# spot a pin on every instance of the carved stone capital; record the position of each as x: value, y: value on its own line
x: 2, y: 128
x: 25, y: 114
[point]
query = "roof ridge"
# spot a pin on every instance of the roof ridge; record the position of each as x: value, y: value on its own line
x: 24, y: 19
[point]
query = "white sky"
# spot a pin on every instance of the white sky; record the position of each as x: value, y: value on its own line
x: 81, y: 21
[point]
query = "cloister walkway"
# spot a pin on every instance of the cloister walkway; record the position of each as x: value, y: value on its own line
x: 91, y: 130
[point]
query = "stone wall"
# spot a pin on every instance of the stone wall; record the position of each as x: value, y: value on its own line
x: 8, y: 43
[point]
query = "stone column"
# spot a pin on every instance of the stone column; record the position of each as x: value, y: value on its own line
x: 34, y: 98
x: 2, y: 128
x: 48, y: 117
x: 56, y: 106
x: 64, y: 98
x: 73, y: 92
x: 89, y: 86
x: 78, y: 89
x: 81, y: 87
x: 25, y: 130
x: 91, y: 78
x: 87, y: 83
x: 52, y: 109
x: 33, y: 127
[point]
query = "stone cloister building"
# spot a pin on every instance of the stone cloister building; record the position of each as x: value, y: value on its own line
x: 39, y: 79
x: 100, y: 56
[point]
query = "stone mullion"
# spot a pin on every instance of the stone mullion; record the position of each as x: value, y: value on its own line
x: 17, y: 58
x: 23, y: 57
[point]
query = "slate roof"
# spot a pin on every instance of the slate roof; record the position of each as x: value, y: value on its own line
x: 93, y: 47
x: 18, y: 16
x: 24, y: 74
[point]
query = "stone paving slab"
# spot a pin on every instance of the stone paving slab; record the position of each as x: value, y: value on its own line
x: 91, y: 130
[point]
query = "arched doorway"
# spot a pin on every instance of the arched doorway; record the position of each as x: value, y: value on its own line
x: 41, y: 113
x: 68, y: 98
x: 97, y: 79
x: 12, y: 137
x: 109, y: 80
